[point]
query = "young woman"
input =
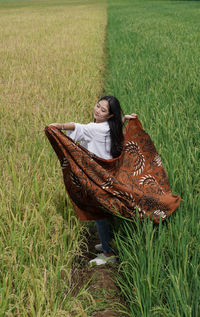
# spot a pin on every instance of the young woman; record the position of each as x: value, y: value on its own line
x: 103, y: 137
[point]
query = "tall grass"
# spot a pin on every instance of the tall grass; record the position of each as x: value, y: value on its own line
x: 153, y: 68
x: 51, y: 55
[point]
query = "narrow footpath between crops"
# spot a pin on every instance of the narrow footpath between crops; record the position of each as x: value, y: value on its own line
x: 101, y: 283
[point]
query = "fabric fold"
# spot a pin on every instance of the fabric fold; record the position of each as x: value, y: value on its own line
x: 135, y: 182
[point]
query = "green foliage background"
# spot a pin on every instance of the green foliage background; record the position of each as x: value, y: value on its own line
x: 153, y: 69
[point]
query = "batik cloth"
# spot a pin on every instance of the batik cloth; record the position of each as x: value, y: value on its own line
x: 134, y: 183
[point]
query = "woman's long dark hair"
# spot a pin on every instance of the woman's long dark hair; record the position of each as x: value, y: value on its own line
x: 115, y: 124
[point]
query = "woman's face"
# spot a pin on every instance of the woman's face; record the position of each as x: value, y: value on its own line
x: 101, y: 111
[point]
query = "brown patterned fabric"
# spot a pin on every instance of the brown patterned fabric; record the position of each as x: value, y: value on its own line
x: 133, y: 182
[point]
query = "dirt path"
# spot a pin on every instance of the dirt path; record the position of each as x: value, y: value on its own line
x: 101, y: 283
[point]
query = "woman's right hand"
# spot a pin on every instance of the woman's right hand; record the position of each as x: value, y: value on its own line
x: 54, y: 124
x: 63, y: 126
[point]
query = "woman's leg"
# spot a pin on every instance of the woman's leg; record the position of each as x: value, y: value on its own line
x: 105, y: 236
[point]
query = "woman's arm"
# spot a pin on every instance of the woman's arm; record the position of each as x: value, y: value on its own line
x: 128, y: 117
x: 64, y: 126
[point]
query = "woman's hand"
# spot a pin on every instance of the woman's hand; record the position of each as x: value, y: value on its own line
x: 63, y: 126
x: 57, y: 125
x: 129, y: 117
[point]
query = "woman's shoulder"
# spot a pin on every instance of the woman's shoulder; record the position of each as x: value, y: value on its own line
x: 102, y: 127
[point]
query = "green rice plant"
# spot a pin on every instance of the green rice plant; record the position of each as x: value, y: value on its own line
x: 52, y: 64
x: 153, y: 56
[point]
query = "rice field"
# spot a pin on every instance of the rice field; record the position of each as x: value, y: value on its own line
x: 153, y: 61
x: 56, y: 59
x: 52, y: 64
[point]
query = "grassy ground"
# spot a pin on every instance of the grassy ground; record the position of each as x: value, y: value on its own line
x: 52, y: 63
x: 153, y: 68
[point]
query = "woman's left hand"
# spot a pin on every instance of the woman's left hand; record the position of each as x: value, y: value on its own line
x: 129, y: 117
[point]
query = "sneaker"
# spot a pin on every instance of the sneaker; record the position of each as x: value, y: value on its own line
x: 99, y: 248
x: 102, y: 259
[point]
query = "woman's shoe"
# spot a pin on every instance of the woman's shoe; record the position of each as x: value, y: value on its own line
x: 102, y: 259
x: 98, y: 247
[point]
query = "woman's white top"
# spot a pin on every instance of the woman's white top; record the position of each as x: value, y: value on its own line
x: 95, y: 137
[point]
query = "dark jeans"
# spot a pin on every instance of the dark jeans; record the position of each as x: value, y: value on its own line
x: 105, y: 234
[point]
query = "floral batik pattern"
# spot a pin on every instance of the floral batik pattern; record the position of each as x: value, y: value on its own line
x: 135, y: 182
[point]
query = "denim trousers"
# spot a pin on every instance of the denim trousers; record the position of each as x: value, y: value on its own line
x: 105, y: 234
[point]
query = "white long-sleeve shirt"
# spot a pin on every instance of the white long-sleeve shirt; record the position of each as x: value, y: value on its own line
x: 93, y: 136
